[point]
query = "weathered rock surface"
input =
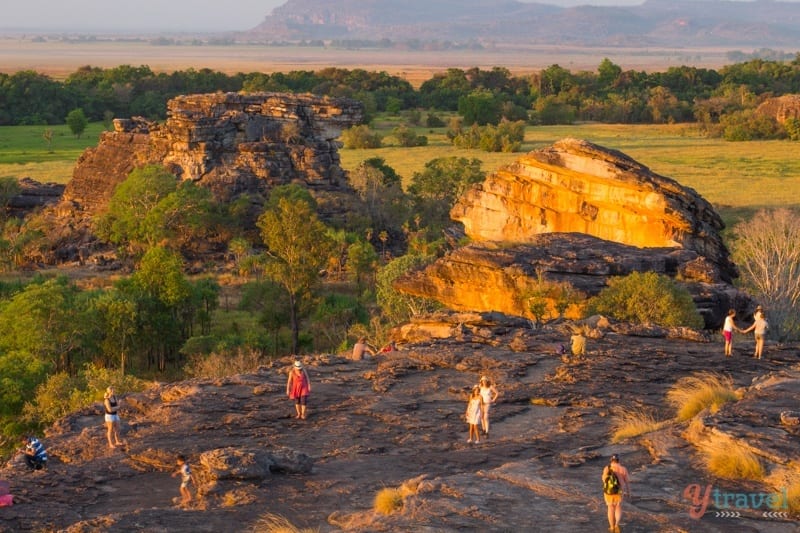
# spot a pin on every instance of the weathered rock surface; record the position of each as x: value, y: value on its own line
x: 578, y: 213
x: 33, y: 194
x: 488, y: 276
x: 781, y: 108
x: 397, y: 421
x: 232, y: 143
x: 577, y: 186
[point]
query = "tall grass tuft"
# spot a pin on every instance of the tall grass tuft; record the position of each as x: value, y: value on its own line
x: 272, y: 523
x: 632, y: 423
x: 727, y: 458
x: 704, y: 390
x: 788, y: 480
x: 388, y: 500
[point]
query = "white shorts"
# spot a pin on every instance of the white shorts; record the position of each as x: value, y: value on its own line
x: 112, y: 418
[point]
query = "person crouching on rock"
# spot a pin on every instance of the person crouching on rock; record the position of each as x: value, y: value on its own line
x: 35, y: 453
x: 474, y: 414
x: 298, y: 388
x: 111, y: 405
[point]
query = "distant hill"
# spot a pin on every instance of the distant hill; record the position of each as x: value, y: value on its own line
x: 763, y: 23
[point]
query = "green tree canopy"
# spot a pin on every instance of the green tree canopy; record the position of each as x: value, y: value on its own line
x: 298, y: 248
x: 77, y: 122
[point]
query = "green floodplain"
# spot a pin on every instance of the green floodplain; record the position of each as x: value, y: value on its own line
x: 738, y: 178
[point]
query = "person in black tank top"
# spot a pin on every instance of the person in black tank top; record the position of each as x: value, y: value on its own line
x: 111, y: 405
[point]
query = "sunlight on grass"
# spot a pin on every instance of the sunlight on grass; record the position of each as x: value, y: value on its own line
x: 632, y: 423
x: 788, y: 480
x: 704, y: 390
x: 388, y: 500
x: 272, y: 523
x: 727, y: 458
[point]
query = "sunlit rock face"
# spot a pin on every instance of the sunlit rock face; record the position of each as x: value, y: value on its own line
x: 232, y: 143
x: 577, y: 186
x: 579, y: 214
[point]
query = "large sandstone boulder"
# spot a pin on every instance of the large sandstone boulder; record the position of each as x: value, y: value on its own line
x: 491, y: 276
x: 578, y: 213
x: 577, y: 186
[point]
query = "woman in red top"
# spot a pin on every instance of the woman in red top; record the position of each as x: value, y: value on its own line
x: 298, y: 387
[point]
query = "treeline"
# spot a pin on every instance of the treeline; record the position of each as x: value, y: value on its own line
x: 554, y: 95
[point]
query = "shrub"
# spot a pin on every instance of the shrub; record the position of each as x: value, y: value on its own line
x: 692, y: 394
x: 767, y: 251
x: 218, y: 365
x: 434, y: 121
x: 408, y: 138
x: 388, y: 500
x: 646, y: 298
x: 272, y: 523
x: 632, y: 423
x: 360, y: 137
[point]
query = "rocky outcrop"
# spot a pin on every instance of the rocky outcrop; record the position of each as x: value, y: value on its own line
x: 33, y: 194
x: 578, y: 213
x: 232, y: 143
x: 491, y: 276
x: 577, y: 186
x: 397, y: 421
x: 781, y: 108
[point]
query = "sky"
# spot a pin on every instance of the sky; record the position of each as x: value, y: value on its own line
x: 161, y: 15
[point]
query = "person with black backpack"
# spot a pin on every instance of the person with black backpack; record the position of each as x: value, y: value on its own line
x: 615, y: 484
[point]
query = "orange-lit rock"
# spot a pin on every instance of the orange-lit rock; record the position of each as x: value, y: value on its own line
x: 577, y: 186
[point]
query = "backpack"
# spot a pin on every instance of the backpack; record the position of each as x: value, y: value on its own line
x: 611, y: 483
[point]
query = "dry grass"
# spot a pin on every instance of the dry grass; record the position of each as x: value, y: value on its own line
x: 704, y: 390
x: 272, y: 523
x: 220, y: 365
x: 632, y: 423
x: 786, y: 480
x: 728, y: 458
x: 388, y: 500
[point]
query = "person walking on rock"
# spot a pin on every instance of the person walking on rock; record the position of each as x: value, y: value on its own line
x: 186, y: 478
x: 298, y: 388
x: 615, y: 484
x: 759, y: 329
x: 489, y: 395
x: 474, y: 414
x: 111, y: 405
x: 727, y: 331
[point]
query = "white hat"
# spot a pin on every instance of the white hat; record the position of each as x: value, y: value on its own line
x: 298, y: 364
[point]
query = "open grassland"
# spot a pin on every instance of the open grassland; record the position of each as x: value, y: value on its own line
x: 737, y: 177
x: 24, y: 152
x: 734, y: 176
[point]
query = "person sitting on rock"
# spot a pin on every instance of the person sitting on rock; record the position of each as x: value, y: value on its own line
x: 35, y: 453
x: 578, y: 343
x: 361, y: 347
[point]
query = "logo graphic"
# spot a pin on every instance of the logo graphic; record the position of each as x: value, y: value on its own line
x: 773, y: 505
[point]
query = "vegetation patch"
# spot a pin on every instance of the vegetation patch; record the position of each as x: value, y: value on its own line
x: 632, y: 423
x: 272, y: 523
x: 388, y: 500
x: 705, y: 390
x: 728, y: 458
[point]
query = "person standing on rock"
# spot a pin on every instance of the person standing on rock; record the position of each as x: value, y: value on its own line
x: 613, y: 497
x: 298, y: 388
x: 186, y: 477
x: 489, y: 395
x: 727, y: 331
x: 474, y: 414
x: 111, y: 405
x: 759, y: 329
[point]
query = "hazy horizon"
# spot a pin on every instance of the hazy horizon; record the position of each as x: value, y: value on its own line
x: 102, y: 16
